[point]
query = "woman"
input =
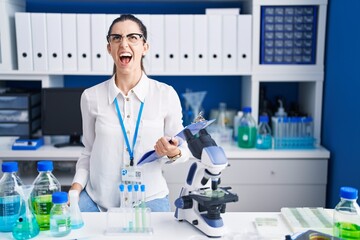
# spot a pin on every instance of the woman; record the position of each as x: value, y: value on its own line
x: 123, y: 118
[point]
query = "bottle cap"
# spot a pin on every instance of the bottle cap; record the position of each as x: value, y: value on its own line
x: 9, y: 167
x: 142, y: 188
x: 122, y: 187
x: 129, y: 187
x: 136, y: 187
x: 46, y: 165
x: 247, y: 109
x: 59, y: 197
x: 264, y: 119
x: 348, y: 193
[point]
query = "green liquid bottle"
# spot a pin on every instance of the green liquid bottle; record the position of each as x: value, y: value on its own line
x: 247, y: 130
x: 347, y: 215
x: 45, y: 184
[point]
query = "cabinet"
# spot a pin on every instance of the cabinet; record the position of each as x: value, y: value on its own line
x: 285, y: 187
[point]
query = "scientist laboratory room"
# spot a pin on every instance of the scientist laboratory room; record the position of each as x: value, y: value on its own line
x: 191, y: 119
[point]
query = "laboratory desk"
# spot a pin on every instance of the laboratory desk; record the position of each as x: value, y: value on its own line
x: 240, y: 226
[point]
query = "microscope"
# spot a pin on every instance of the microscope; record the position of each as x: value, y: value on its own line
x: 202, y: 201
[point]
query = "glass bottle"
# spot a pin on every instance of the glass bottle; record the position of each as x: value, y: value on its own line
x: 45, y: 184
x: 221, y: 119
x: 10, y: 200
x: 263, y: 137
x: 75, y: 213
x: 347, y: 215
x: 247, y: 130
x: 60, y: 219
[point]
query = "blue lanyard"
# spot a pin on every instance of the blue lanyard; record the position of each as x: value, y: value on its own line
x: 130, y: 150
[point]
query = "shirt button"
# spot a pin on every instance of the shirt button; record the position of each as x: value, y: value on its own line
x: 128, y: 116
x: 128, y: 132
x: 132, y: 91
x: 127, y: 99
x: 127, y: 149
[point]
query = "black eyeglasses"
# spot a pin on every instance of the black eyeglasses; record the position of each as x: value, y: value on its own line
x: 132, y: 38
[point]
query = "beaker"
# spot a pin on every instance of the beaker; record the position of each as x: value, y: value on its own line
x: 195, y: 100
x: 26, y: 226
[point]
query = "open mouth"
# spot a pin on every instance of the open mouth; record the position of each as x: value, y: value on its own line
x: 125, y: 58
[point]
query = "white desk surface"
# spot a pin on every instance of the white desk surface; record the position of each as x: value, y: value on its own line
x: 240, y: 226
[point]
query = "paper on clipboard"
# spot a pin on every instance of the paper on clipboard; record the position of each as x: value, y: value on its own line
x: 194, y: 128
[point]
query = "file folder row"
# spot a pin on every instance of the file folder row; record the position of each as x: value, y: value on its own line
x: 56, y: 42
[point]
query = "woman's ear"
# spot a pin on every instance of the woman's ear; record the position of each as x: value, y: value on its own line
x: 146, y: 48
x: 108, y: 48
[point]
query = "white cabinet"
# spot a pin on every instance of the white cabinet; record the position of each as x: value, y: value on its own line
x: 265, y: 184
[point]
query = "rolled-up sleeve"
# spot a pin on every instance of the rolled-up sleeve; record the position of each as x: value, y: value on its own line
x: 88, y: 125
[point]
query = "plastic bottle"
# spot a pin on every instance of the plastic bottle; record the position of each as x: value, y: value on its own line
x: 45, y: 184
x: 76, y: 217
x: 9, y: 198
x: 247, y: 130
x: 347, y: 215
x: 221, y: 119
x: 60, y: 220
x: 263, y: 137
x: 236, y: 124
x: 281, y: 111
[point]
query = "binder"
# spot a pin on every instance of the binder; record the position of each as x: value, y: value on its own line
x: 172, y: 43
x: 186, y: 43
x: 83, y: 42
x: 215, y: 42
x: 98, y: 43
x: 229, y: 42
x: 200, y: 43
x: 244, y: 43
x: 145, y: 19
x: 54, y: 42
x: 69, y: 33
x: 156, y: 42
x: 24, y: 41
x: 39, y: 41
x: 109, y: 60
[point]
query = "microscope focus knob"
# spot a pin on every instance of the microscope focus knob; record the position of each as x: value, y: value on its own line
x: 184, y: 202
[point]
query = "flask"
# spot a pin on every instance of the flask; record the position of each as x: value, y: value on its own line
x: 60, y: 220
x: 263, y: 136
x: 247, y: 130
x: 75, y: 214
x: 10, y: 200
x: 45, y: 184
x: 347, y: 215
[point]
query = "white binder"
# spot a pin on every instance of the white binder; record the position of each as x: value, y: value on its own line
x: 24, y: 41
x: 156, y: 42
x: 83, y: 42
x: 229, y: 42
x: 244, y: 43
x: 200, y: 43
x: 215, y: 43
x: 54, y: 42
x: 186, y: 43
x: 39, y: 41
x: 172, y: 43
x: 69, y: 32
x: 109, y: 60
x: 98, y: 43
x: 145, y: 19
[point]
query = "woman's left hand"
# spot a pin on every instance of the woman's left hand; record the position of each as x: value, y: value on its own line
x: 167, y: 146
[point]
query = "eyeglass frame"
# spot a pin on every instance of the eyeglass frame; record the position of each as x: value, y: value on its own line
x: 126, y: 36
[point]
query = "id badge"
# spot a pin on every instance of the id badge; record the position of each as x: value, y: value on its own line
x: 131, y: 175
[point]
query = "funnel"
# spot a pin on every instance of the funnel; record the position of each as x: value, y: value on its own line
x: 194, y: 99
x: 26, y: 226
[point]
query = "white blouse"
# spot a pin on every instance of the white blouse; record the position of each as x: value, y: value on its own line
x: 98, y: 168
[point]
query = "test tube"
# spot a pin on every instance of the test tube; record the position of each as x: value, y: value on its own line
x: 122, y: 195
x: 144, y: 220
x: 129, y: 196
x: 136, y: 199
